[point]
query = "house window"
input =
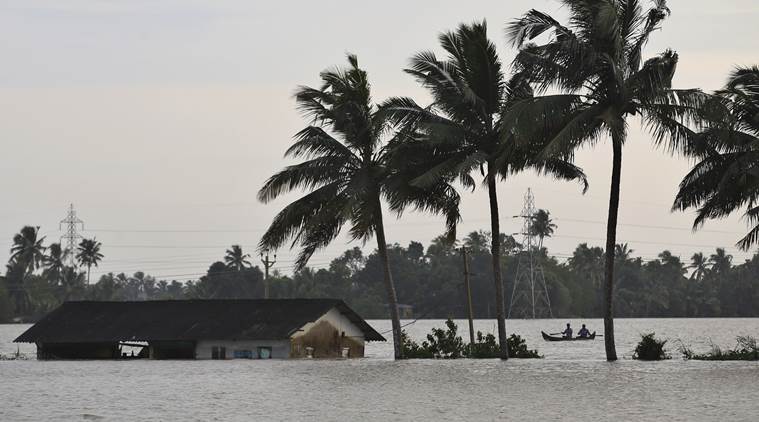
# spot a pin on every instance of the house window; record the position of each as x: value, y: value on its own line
x: 243, y: 354
x: 218, y: 352
x: 264, y: 352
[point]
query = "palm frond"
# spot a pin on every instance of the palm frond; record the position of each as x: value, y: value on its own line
x: 308, y: 175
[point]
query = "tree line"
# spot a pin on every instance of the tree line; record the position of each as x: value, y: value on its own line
x: 428, y: 279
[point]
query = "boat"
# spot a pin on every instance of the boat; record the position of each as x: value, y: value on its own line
x: 548, y: 337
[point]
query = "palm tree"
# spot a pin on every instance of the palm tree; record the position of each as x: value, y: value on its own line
x: 54, y: 263
x: 88, y: 254
x: 721, y: 262
x: 700, y: 266
x: 235, y: 259
x: 596, y: 63
x: 72, y: 284
x: 27, y: 249
x: 725, y: 179
x: 542, y: 226
x: 622, y: 252
x: 348, y: 173
x: 477, y: 241
x: 464, y: 131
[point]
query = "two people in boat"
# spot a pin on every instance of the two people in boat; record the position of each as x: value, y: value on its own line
x: 583, y: 333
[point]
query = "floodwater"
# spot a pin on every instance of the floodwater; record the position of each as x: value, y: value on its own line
x: 572, y: 382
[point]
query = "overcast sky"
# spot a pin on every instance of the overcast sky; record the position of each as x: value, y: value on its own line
x: 160, y: 120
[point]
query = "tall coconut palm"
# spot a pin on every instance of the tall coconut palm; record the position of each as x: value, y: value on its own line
x: 464, y: 131
x: 347, y: 174
x: 88, y: 254
x: 726, y: 179
x: 27, y: 249
x: 54, y: 263
x: 542, y: 226
x: 596, y: 63
x: 236, y: 259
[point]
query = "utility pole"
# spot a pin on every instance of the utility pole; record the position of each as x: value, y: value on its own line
x: 268, y: 263
x: 468, y: 296
x: 71, y: 234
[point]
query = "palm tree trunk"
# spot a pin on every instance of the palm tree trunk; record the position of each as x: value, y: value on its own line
x: 89, y: 267
x: 611, y: 241
x: 392, y: 300
x: 495, y: 251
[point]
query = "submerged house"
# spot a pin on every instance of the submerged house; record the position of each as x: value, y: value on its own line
x: 202, y: 329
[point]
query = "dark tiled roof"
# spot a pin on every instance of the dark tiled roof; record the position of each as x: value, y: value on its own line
x: 249, y: 319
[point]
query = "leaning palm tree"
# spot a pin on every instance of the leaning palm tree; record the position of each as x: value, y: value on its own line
x: 464, y: 131
x: 54, y: 263
x: 236, y: 259
x: 347, y: 174
x: 542, y: 226
x: 595, y: 62
x: 88, y: 254
x: 27, y: 250
x: 727, y: 177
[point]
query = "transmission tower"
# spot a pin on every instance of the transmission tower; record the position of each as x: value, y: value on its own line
x: 529, y: 296
x: 71, y: 237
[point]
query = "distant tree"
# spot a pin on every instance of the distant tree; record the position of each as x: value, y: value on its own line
x: 73, y: 284
x: 27, y: 249
x: 88, y: 254
x: 699, y: 265
x: 542, y: 226
x: 720, y: 261
x: 14, y: 280
x: 622, y: 252
x: 477, y: 241
x: 442, y: 245
x: 236, y: 259
x: 54, y: 263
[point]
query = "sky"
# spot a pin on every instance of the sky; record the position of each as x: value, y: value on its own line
x: 160, y: 120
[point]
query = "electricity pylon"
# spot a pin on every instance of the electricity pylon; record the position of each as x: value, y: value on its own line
x: 71, y: 236
x: 529, y: 296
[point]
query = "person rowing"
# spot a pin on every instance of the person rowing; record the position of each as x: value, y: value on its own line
x: 568, y: 332
x: 584, y: 332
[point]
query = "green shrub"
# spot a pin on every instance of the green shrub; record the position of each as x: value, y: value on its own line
x: 746, y: 349
x: 412, y: 350
x: 446, y: 344
x: 487, y: 347
x: 650, y: 348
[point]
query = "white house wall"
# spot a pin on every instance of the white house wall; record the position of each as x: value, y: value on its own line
x: 280, y: 349
x: 339, y: 321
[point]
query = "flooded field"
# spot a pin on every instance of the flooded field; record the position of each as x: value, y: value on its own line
x: 572, y: 382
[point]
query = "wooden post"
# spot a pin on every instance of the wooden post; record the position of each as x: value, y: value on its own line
x: 468, y: 296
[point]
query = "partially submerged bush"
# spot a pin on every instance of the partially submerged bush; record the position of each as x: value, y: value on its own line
x: 487, y: 347
x: 746, y: 349
x: 446, y: 344
x: 650, y: 348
